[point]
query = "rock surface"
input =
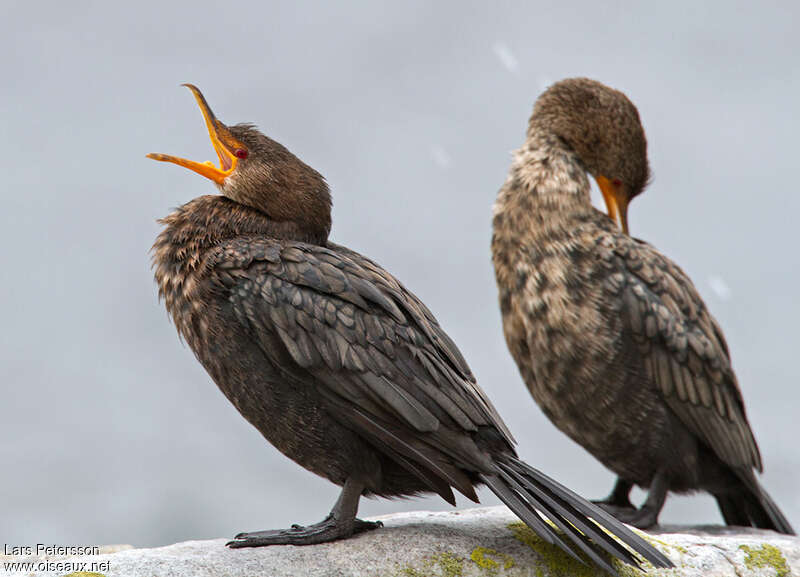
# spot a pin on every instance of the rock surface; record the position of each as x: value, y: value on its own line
x: 472, y: 542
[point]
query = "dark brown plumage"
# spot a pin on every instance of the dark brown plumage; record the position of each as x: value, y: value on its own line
x: 611, y: 337
x: 334, y: 361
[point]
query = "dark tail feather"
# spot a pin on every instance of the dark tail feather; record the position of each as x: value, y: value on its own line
x: 733, y: 512
x: 751, y: 506
x: 778, y: 522
x: 527, y: 491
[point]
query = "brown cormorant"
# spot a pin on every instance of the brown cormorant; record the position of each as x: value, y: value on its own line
x: 334, y: 361
x: 610, y: 336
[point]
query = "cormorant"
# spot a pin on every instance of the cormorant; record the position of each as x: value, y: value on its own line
x: 334, y: 361
x: 610, y: 336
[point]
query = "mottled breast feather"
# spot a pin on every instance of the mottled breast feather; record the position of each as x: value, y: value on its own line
x: 604, y: 326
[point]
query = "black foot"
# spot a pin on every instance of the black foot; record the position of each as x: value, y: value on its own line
x: 614, y: 509
x: 326, y: 530
x: 644, y: 518
x: 617, y: 505
x: 619, y: 500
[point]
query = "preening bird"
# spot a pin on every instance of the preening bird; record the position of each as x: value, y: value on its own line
x: 335, y: 362
x: 610, y: 336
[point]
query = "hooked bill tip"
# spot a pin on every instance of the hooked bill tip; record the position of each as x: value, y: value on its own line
x: 194, y: 90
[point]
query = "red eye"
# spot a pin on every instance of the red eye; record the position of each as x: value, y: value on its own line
x: 616, y: 182
x: 240, y: 153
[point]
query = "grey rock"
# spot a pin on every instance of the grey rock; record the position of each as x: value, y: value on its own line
x: 471, y: 542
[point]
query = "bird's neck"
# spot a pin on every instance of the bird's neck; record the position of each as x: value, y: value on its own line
x: 205, y: 222
x: 208, y: 220
x: 547, y: 191
x: 293, y: 200
x: 184, y: 251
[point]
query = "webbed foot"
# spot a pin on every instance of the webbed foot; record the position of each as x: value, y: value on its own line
x: 619, y: 500
x: 326, y: 530
x: 643, y: 518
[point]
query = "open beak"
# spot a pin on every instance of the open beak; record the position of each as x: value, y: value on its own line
x: 616, y: 202
x: 219, y: 134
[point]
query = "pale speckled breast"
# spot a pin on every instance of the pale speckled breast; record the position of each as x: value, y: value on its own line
x: 562, y: 330
x: 555, y: 321
x: 553, y: 258
x: 181, y: 275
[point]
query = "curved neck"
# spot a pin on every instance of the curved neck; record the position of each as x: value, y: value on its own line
x: 547, y: 187
x: 213, y: 218
x: 294, y: 204
x: 208, y: 220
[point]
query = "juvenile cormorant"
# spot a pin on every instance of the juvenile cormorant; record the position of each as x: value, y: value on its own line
x: 610, y: 336
x: 334, y: 361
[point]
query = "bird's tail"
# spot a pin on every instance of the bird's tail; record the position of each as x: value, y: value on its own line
x: 527, y: 492
x: 749, y: 505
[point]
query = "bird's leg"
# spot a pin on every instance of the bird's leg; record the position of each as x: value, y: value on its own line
x: 647, y: 515
x: 340, y: 523
x: 619, y: 499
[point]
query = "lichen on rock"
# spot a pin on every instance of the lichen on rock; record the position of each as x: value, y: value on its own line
x: 765, y: 556
x: 440, y: 565
x: 557, y: 561
x: 483, y: 557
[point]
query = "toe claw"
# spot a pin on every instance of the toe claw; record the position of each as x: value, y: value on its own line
x: 326, y: 530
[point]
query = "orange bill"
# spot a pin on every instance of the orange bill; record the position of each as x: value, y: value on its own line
x: 223, y: 141
x: 616, y: 201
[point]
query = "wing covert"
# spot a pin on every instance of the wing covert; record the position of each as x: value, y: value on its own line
x: 352, y: 325
x: 683, y: 350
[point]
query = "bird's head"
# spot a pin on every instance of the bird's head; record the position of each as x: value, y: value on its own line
x: 603, y: 128
x: 261, y: 173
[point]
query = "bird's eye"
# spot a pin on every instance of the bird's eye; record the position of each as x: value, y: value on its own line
x: 240, y: 153
x: 616, y: 182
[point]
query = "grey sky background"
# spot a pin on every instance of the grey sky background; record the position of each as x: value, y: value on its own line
x: 113, y: 433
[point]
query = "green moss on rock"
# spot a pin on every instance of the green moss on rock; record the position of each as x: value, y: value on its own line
x: 625, y: 570
x: 559, y: 563
x: 765, y: 556
x: 482, y: 556
x: 663, y: 544
x: 442, y: 565
x: 450, y: 565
